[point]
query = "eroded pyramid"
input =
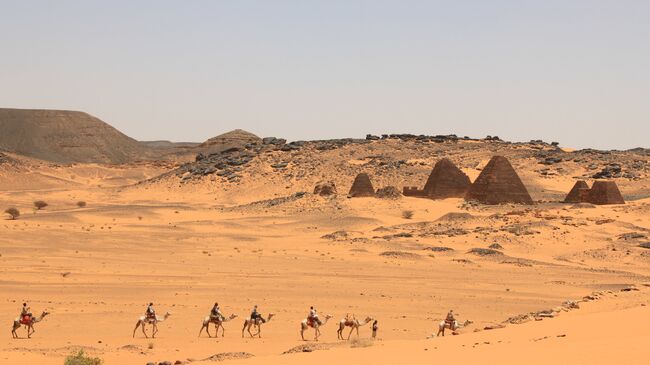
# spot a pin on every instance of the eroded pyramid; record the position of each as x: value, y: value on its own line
x: 446, y: 181
x: 361, y: 187
x: 605, y: 192
x: 578, y: 193
x: 499, y: 183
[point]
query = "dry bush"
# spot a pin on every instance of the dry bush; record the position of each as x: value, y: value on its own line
x: 13, y: 212
x: 361, y: 342
x: 81, y: 204
x: 80, y: 358
x: 407, y: 214
x: 40, y: 204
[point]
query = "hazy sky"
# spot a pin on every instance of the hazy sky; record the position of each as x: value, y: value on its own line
x: 577, y: 72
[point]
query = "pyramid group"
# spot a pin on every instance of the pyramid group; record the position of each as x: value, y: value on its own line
x: 601, y: 193
x: 499, y: 183
x: 361, y: 187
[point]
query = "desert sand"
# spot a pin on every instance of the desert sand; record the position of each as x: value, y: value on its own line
x: 185, y: 243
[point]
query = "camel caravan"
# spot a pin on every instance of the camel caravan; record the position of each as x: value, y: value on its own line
x: 253, y: 322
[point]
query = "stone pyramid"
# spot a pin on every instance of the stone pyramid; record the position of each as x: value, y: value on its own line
x: 361, y: 186
x: 446, y: 181
x: 499, y: 183
x: 605, y: 192
x: 578, y: 193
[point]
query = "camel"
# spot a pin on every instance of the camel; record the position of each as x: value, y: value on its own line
x: 218, y: 322
x: 29, y: 325
x: 353, y: 324
x: 453, y: 327
x: 306, y: 323
x: 248, y: 323
x: 143, y: 320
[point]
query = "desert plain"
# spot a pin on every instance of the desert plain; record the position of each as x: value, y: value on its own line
x: 545, y: 283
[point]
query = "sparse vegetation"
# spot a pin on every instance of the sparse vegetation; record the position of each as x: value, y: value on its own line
x: 13, y: 213
x: 80, y: 358
x: 40, y: 204
x: 81, y: 204
x: 361, y: 342
x: 407, y: 214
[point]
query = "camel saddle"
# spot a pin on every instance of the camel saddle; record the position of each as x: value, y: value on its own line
x: 349, y: 323
x: 25, y: 319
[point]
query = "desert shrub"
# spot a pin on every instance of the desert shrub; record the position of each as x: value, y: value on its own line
x: 80, y: 358
x: 81, y: 204
x: 361, y: 342
x: 407, y: 214
x: 39, y: 204
x: 13, y: 212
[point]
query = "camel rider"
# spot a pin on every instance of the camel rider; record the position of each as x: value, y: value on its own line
x: 313, y: 316
x: 150, y: 313
x: 215, y: 313
x: 349, y: 318
x: 25, y: 313
x: 256, y: 315
x: 450, y: 318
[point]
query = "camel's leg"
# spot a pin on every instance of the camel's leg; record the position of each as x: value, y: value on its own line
x: 143, y: 330
x: 243, y: 329
x: 137, y: 324
x: 302, y: 332
x: 207, y: 329
x: 317, y: 334
x: 350, y: 334
x: 223, y: 330
x: 259, y: 331
x: 30, y: 331
x: 339, y: 332
x: 155, y: 330
x: 357, y: 331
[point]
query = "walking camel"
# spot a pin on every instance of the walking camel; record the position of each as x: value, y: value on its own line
x: 218, y: 323
x: 257, y: 323
x: 306, y: 323
x: 144, y: 320
x: 453, y: 326
x: 354, y: 324
x: 28, y: 323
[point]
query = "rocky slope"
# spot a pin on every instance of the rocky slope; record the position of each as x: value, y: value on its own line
x: 64, y: 137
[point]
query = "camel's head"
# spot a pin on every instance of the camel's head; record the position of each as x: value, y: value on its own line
x: 467, y: 323
x: 167, y: 314
x: 233, y: 316
x: 369, y: 319
x: 44, y: 314
x: 327, y: 316
x: 271, y: 315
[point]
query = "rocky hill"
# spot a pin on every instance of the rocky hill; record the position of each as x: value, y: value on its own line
x: 65, y: 137
x: 272, y: 167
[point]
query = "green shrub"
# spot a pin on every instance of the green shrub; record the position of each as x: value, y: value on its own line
x: 80, y: 358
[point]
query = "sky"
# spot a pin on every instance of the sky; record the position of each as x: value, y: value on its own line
x: 576, y: 72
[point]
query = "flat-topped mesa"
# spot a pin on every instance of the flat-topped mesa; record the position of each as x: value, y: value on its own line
x: 446, y: 181
x: 579, y: 193
x: 499, y: 183
x: 605, y: 192
x: 361, y: 187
